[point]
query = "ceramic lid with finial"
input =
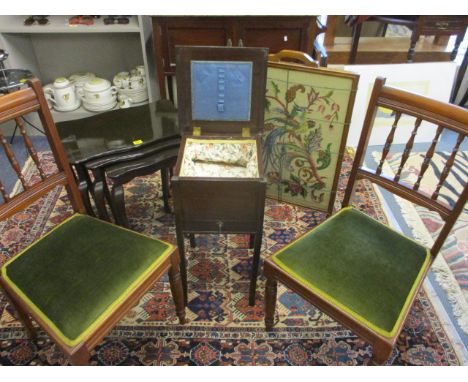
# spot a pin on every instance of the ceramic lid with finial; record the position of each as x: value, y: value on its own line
x: 61, y: 82
x: 97, y: 84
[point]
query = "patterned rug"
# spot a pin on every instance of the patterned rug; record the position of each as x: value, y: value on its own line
x: 222, y: 329
x: 451, y: 268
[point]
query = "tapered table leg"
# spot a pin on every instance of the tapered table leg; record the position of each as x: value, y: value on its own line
x: 165, y: 188
x: 118, y: 201
x: 255, y: 265
x: 193, y: 243
x: 98, y: 194
x: 84, y: 184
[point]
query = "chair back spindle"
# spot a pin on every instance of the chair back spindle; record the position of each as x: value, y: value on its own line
x: 445, y: 116
x: 12, y: 159
x: 388, y: 143
x: 5, y: 195
x: 427, y: 159
x: 407, y: 150
x: 448, y: 166
x: 30, y: 147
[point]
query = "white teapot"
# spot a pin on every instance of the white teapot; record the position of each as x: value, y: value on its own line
x: 62, y: 95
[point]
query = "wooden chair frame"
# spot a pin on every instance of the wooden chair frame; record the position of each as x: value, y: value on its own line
x: 445, y: 116
x: 292, y: 56
x: 12, y: 106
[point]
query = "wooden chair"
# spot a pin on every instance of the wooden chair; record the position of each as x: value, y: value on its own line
x: 81, y: 278
x: 355, y: 269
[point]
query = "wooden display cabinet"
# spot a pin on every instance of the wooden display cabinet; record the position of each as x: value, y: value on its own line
x: 218, y: 184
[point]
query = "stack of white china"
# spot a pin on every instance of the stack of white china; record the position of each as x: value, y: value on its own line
x: 80, y: 78
x: 97, y: 95
x: 131, y: 86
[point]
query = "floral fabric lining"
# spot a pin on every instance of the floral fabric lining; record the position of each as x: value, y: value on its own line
x: 220, y: 158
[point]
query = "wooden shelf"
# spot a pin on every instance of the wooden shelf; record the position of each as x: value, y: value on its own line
x: 59, y: 24
x: 81, y: 112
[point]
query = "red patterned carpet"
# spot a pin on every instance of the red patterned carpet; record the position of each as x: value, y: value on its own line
x: 222, y: 329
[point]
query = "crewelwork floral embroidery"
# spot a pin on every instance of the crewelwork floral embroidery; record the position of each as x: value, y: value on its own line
x: 297, y: 148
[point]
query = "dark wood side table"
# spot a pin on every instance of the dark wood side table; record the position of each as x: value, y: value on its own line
x: 162, y: 159
x: 118, y: 136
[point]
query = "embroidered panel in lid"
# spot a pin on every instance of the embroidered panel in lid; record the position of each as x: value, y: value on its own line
x: 221, y: 90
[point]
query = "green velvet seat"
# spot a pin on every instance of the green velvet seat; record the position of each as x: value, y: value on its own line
x: 360, y: 265
x: 76, y: 275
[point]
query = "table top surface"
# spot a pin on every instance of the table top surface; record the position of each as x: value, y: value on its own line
x: 118, y: 130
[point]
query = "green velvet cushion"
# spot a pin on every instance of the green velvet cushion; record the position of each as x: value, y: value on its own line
x: 73, y: 275
x: 360, y: 264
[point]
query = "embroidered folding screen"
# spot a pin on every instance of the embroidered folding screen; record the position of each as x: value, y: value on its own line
x: 307, y: 116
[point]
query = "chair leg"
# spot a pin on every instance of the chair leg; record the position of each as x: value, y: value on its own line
x: 25, y: 320
x: 270, y: 302
x: 354, y: 43
x: 251, y: 240
x: 384, y: 29
x: 193, y: 243
x: 80, y: 357
x: 382, y: 352
x: 177, y: 289
x: 411, y: 51
x: 458, y: 41
x: 464, y: 99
